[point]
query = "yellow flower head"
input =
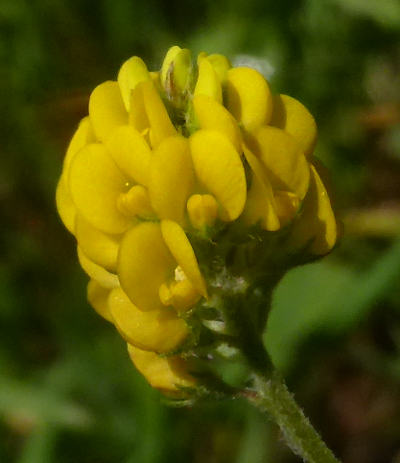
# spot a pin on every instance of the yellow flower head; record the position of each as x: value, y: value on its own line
x: 183, y: 186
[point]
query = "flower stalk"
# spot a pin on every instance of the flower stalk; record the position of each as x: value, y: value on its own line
x: 272, y: 396
x: 268, y: 392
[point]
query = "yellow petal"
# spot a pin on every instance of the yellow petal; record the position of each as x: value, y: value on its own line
x: 82, y: 136
x: 208, y: 82
x: 106, y: 109
x: 282, y: 160
x: 130, y: 152
x: 180, y: 294
x: 293, y: 117
x: 156, y: 79
x: 175, y: 70
x: 182, y: 250
x: 136, y: 202
x: 99, y: 247
x: 221, y: 65
x: 158, y: 330
x: 287, y: 205
x: 317, y: 222
x: 165, y: 294
x: 212, y: 115
x: 132, y: 72
x: 101, y: 275
x: 248, y: 97
x: 202, y: 210
x: 184, y: 295
x: 219, y: 169
x: 98, y: 299
x: 324, y: 175
x: 260, y: 207
x: 160, y: 124
x: 168, y: 62
x: 137, y: 115
x: 171, y: 178
x: 65, y: 206
x: 144, y: 263
x: 95, y: 183
x: 164, y: 373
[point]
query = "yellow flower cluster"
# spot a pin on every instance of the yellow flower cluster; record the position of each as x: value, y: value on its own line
x: 165, y: 154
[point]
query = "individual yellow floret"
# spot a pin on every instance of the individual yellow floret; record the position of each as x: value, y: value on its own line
x: 168, y: 374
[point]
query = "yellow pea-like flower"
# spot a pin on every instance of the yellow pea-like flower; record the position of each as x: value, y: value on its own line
x: 282, y: 160
x: 182, y: 295
x: 214, y: 116
x: 208, y: 82
x: 188, y: 190
x: 97, y: 296
x: 249, y: 98
x: 317, y: 224
x: 293, y: 117
x: 145, y: 262
x: 260, y: 206
x: 148, y: 258
x: 83, y: 136
x: 132, y: 72
x: 95, y: 183
x: 136, y: 202
x: 137, y: 114
x: 175, y: 70
x: 166, y: 374
x: 160, y: 124
x: 180, y: 247
x: 102, y: 276
x: 219, y: 170
x: 158, y: 330
x: 221, y: 65
x: 202, y: 210
x: 98, y: 246
x: 106, y: 109
x: 122, y: 143
x: 287, y: 205
x: 65, y: 206
x: 171, y: 178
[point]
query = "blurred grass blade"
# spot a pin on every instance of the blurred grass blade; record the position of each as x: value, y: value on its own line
x: 28, y: 403
x: 39, y: 446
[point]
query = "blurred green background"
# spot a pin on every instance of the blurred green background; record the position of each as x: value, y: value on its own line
x: 68, y: 392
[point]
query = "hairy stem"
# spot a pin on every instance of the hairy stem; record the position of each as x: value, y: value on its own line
x: 269, y: 392
x: 271, y: 395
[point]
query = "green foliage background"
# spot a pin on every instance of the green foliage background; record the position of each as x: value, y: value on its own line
x: 68, y: 392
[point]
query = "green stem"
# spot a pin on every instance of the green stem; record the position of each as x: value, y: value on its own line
x: 269, y: 392
x: 272, y: 396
